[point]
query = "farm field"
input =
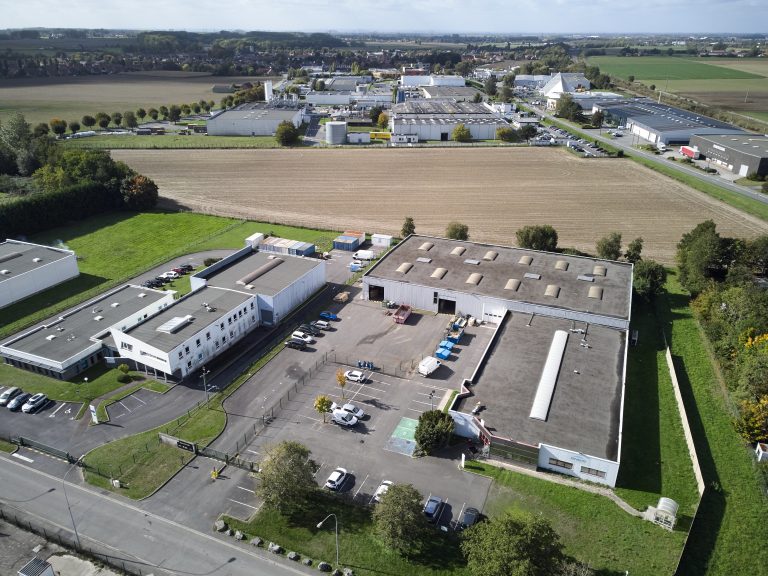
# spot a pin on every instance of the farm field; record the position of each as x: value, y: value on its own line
x: 70, y: 98
x: 654, y: 67
x: 494, y: 191
x: 132, y: 142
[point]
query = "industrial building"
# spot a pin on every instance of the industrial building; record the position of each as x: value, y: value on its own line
x: 662, y: 124
x: 435, y: 120
x: 585, y: 100
x: 433, y: 80
x: 255, y: 119
x: 560, y: 345
x: 565, y: 83
x: 741, y: 154
x: 454, y: 93
x: 70, y: 344
x: 27, y: 269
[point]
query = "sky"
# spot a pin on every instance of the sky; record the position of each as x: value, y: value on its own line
x: 455, y: 16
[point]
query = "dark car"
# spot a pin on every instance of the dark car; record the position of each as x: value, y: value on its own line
x: 187, y: 267
x: 296, y: 344
x: 433, y: 508
x: 18, y: 401
x: 469, y: 518
x: 309, y: 329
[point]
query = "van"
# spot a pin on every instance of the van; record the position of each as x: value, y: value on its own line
x: 9, y: 395
x: 364, y: 255
x: 428, y: 365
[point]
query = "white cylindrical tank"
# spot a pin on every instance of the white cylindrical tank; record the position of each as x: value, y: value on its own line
x: 336, y: 133
x: 668, y: 505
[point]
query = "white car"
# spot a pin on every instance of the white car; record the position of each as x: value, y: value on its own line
x: 381, y: 490
x: 171, y: 275
x: 299, y: 335
x: 354, y: 376
x: 34, y: 403
x: 321, y: 324
x: 350, y: 408
x: 343, y: 418
x: 336, y: 479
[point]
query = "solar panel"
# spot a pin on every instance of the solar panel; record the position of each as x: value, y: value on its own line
x: 175, y: 324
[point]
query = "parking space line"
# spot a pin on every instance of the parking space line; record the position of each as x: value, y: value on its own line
x: 252, y: 451
x: 361, y: 486
x: 318, y: 469
x: 57, y: 409
x: 415, y: 410
x: 124, y: 406
x: 139, y: 399
x: 455, y: 526
x: 20, y: 457
x: 247, y: 489
x: 242, y: 503
x: 425, y: 403
x: 310, y: 418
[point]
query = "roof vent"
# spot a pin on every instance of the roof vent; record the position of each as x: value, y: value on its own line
x: 175, y: 324
x: 458, y: 251
x: 472, y: 261
x: 5, y: 272
x: 526, y: 260
x: 404, y: 267
x: 115, y: 304
x: 143, y: 295
x: 37, y: 260
x: 51, y: 337
x: 532, y: 276
x: 426, y: 246
x: 595, y: 292
x: 512, y: 284
x: 98, y: 318
x: 585, y: 277
x: 552, y: 290
x: 561, y: 265
x: 424, y: 260
x: 439, y: 273
x: 599, y: 270
x: 474, y: 278
x: 490, y: 255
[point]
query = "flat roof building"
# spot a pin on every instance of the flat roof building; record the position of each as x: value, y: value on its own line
x: 26, y: 269
x: 742, y: 154
x: 454, y: 93
x: 435, y: 120
x: 254, y: 119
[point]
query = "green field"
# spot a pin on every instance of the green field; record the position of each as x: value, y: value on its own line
x: 129, y: 142
x: 672, y: 68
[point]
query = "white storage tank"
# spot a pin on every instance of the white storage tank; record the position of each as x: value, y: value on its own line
x: 336, y: 133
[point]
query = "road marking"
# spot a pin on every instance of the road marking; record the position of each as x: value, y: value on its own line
x: 310, y: 418
x: 124, y: 406
x: 57, y: 409
x: 242, y: 503
x: 20, y: 457
x: 247, y: 489
x: 361, y: 486
x: 252, y: 451
x: 415, y: 410
x: 459, y: 518
x: 318, y: 469
x: 425, y: 403
x: 139, y: 399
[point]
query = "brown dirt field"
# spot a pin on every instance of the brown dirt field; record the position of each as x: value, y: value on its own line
x: 494, y: 191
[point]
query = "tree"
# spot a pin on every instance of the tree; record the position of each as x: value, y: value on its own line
x: 538, y: 237
x: 433, y: 430
x: 153, y: 113
x: 648, y: 279
x: 698, y: 256
x: 117, y: 118
x: 633, y: 251
x: 58, y: 126
x: 186, y: 110
x: 129, y: 119
x: 287, y: 477
x: 490, y: 86
x: 508, y: 80
x: 609, y: 247
x: 74, y: 126
x: 397, y: 519
x: 597, y: 118
x: 88, y: 121
x: 652, y: 87
x: 764, y: 188
x: 41, y: 129
x: 323, y: 405
x: 631, y: 78
x: 164, y: 111
x: 567, y: 108
x: 320, y: 86
x: 508, y: 134
x: 15, y: 133
x: 752, y: 423
x: 383, y: 120
x: 286, y: 134
x: 103, y: 119
x: 461, y: 133
x: 408, y: 227
x: 139, y: 193
x: 477, y: 98
x: 141, y: 114
x: 512, y: 545
x: 457, y: 231
x: 527, y: 132
x: 374, y: 112
x: 341, y: 380
x: 196, y: 107
x: 507, y: 94
x: 174, y: 113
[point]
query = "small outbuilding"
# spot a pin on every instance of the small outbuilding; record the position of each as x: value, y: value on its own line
x: 381, y: 240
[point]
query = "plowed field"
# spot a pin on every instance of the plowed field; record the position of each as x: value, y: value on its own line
x: 494, y: 191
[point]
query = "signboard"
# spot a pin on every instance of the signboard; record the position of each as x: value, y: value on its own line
x: 189, y: 447
x: 94, y: 418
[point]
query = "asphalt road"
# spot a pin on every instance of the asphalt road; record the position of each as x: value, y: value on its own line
x: 141, y: 539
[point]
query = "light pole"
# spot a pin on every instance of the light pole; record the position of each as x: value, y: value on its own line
x: 431, y: 398
x: 336, y: 520
x: 66, y: 498
x: 203, y: 374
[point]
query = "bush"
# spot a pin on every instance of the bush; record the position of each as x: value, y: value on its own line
x: 210, y: 261
x: 287, y: 134
x: 124, y: 378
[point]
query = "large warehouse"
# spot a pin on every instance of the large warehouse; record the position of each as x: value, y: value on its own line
x: 435, y: 120
x: 26, y: 269
x: 552, y: 381
x: 662, y: 124
x: 254, y: 119
x: 742, y: 154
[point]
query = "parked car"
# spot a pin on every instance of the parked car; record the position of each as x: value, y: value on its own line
x: 336, y: 479
x: 171, y: 275
x: 18, y: 401
x: 299, y: 335
x: 296, y: 344
x: 179, y: 271
x: 381, y: 490
x: 35, y: 403
x: 321, y: 324
x: 343, y: 418
x: 354, y: 376
x: 309, y: 329
x: 469, y: 518
x: 433, y: 507
x: 162, y: 280
x: 187, y: 267
x: 9, y: 395
x: 326, y: 315
x: 350, y: 408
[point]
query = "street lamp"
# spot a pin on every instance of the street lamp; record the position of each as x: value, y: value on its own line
x: 431, y: 398
x: 203, y: 374
x: 336, y: 520
x: 66, y: 498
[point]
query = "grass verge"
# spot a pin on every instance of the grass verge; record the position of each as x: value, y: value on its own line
x: 153, y: 385
x: 731, y: 516
x: 358, y: 547
x: 7, y: 446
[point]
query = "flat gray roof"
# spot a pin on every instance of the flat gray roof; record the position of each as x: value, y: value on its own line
x: 268, y: 284
x: 457, y: 92
x: 220, y: 301
x: 73, y: 333
x: 614, y: 300
x: 19, y: 257
x: 752, y: 144
x: 585, y: 411
x: 661, y: 117
x: 429, y: 106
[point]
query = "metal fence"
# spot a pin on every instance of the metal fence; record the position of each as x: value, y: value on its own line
x: 404, y: 369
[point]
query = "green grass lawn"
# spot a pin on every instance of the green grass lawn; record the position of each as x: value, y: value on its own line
x: 665, y: 67
x: 153, y: 385
x: 732, y: 515
x: 129, y: 141
x: 358, y: 547
x: 7, y: 446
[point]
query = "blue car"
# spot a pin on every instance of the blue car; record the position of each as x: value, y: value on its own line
x: 325, y: 315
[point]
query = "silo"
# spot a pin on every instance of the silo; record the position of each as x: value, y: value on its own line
x: 336, y: 133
